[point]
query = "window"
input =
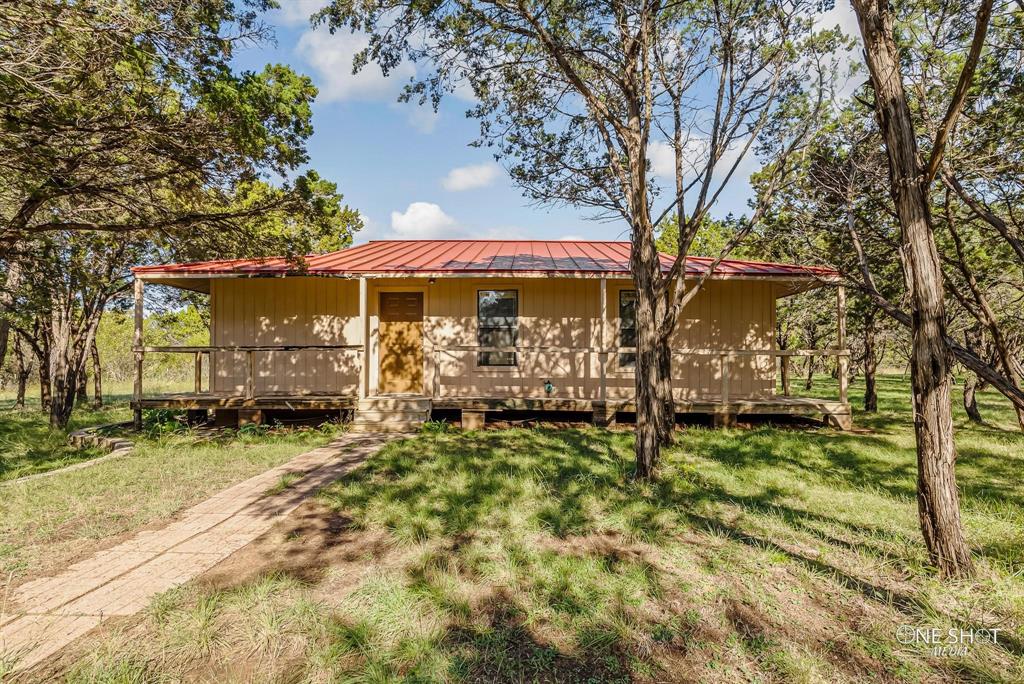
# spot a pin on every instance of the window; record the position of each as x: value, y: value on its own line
x: 627, y: 327
x: 498, y: 325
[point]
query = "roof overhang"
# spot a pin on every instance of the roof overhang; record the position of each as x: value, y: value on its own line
x: 201, y: 282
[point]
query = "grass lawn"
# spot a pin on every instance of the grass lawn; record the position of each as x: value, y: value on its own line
x: 47, y: 522
x: 762, y: 554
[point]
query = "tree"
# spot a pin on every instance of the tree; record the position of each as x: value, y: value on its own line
x: 911, y: 175
x: 118, y: 117
x: 576, y: 97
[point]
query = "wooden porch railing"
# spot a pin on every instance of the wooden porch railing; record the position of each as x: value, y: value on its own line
x: 725, y: 358
x: 250, y: 352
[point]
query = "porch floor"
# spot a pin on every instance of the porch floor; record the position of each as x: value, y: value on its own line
x: 830, y: 410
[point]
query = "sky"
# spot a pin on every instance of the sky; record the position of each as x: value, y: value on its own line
x: 411, y: 172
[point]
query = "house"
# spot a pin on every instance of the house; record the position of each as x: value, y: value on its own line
x: 396, y: 328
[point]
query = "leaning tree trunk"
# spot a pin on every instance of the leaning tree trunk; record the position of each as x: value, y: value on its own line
x: 870, y: 366
x: 937, y: 495
x: 809, y: 381
x: 97, y: 377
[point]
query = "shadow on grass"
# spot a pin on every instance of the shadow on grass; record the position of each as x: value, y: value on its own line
x: 575, y: 486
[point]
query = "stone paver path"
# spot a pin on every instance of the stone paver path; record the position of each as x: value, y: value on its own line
x: 44, y: 615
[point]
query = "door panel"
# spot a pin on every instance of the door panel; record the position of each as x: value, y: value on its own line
x: 401, y: 342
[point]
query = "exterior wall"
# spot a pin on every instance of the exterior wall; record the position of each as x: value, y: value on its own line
x: 559, y: 324
x: 286, y: 311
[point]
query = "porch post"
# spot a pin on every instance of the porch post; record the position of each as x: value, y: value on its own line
x: 842, y: 360
x: 137, y: 343
x: 602, y: 347
x: 364, y: 326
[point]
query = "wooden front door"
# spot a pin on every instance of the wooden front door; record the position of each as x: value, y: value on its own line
x: 401, y: 342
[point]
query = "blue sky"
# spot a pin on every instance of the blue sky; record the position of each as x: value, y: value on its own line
x: 410, y: 172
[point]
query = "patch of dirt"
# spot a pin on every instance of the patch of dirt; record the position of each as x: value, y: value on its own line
x: 305, y: 545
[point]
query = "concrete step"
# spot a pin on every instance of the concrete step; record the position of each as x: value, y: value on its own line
x: 398, y: 403
x: 385, y: 427
x: 374, y: 415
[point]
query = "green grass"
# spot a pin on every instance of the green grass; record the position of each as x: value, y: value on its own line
x: 768, y: 554
x: 47, y: 522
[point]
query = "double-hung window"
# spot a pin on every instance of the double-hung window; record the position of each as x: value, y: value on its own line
x: 627, y: 327
x: 497, y: 325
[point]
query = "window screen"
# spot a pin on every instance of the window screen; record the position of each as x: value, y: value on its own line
x: 498, y: 325
x: 627, y: 327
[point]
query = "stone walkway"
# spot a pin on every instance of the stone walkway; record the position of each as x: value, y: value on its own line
x: 44, y: 615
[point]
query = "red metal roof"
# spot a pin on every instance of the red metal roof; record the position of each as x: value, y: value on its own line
x: 422, y: 257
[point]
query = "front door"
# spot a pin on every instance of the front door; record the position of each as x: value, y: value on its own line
x: 401, y: 342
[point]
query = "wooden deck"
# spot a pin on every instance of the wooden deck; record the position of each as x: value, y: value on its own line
x: 198, y: 401
x: 833, y: 412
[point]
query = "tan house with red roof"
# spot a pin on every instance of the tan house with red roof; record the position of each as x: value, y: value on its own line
x: 395, y: 329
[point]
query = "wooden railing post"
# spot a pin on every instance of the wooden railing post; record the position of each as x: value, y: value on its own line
x: 199, y: 372
x: 250, y: 374
x: 139, y: 355
x: 842, y: 361
x: 724, y: 364
x: 435, y: 390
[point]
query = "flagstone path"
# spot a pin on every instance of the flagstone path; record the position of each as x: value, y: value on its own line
x: 43, y: 616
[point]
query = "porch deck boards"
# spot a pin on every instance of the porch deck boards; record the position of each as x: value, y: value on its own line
x: 207, y: 400
x: 775, y: 405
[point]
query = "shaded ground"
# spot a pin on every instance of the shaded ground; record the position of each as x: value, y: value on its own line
x: 764, y: 554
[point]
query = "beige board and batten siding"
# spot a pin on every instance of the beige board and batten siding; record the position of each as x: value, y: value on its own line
x: 559, y: 318
x: 286, y: 311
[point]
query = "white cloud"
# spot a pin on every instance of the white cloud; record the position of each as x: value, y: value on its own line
x: 424, y: 220
x: 422, y: 117
x: 330, y: 57
x: 471, y: 177
x: 297, y: 12
x: 572, y: 238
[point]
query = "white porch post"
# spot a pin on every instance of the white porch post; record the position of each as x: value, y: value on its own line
x: 364, y: 326
x: 843, y: 360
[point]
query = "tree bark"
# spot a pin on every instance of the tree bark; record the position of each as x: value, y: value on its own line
x: 11, y: 283
x: 82, y: 394
x: 97, y: 377
x: 667, y: 422
x: 870, y: 365
x: 809, y: 380
x: 23, y: 369
x: 975, y: 340
x: 937, y: 494
x: 45, y: 388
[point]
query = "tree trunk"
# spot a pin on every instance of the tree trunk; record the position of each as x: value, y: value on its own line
x: 971, y: 399
x: 11, y: 283
x: 45, y: 388
x: 809, y: 382
x: 649, y: 407
x: 937, y: 494
x: 82, y: 394
x: 870, y: 366
x: 23, y: 369
x: 667, y: 422
x: 97, y: 377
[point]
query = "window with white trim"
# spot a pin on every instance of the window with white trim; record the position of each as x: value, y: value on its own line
x: 627, y: 327
x: 497, y: 314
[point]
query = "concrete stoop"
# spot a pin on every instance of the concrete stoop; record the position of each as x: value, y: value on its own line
x: 391, y: 413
